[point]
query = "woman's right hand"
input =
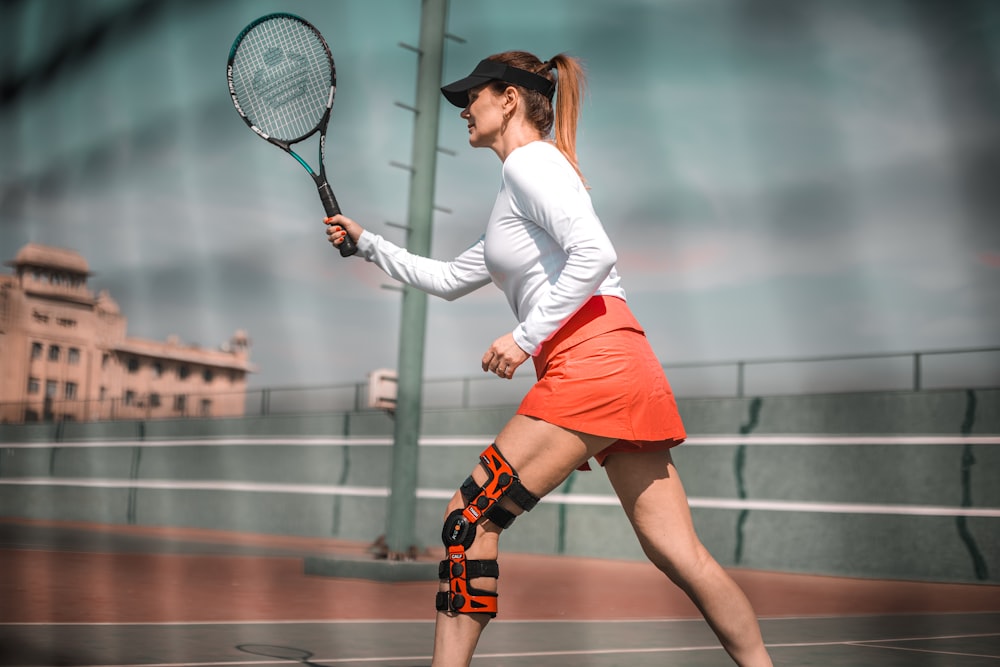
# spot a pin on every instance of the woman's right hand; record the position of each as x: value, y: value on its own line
x: 340, y: 226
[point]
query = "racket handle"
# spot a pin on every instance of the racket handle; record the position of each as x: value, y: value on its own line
x: 348, y: 247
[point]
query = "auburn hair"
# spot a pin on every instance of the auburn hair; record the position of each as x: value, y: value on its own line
x: 538, y: 108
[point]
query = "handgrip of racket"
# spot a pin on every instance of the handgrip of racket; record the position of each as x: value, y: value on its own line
x: 348, y: 247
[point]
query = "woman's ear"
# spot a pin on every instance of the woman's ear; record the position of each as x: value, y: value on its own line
x: 510, y: 99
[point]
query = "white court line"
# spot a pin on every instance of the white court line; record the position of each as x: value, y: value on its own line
x: 438, y: 494
x: 273, y: 661
x: 884, y: 639
x: 926, y: 650
x: 483, y: 441
x: 877, y: 643
x: 588, y: 652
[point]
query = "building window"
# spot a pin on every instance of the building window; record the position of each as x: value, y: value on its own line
x: 154, y: 400
x: 207, y: 374
x: 102, y: 393
x: 180, y: 402
x: 40, y: 317
x: 129, y: 397
x: 34, y: 385
x: 70, y: 390
x: 36, y: 350
x: 54, y: 353
x: 65, y: 322
x: 51, y: 388
x: 206, y: 407
x: 73, y: 355
x: 105, y: 358
x: 133, y: 365
x: 183, y: 372
x: 157, y: 369
x: 31, y: 415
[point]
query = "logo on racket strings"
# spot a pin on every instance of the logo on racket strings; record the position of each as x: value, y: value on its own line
x: 284, y: 78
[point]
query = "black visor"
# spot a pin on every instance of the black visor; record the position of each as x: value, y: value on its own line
x: 490, y: 70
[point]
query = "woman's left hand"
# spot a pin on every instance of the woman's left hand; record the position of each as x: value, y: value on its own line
x: 504, y: 356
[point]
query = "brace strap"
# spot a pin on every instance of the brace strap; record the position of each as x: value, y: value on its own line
x: 474, y: 569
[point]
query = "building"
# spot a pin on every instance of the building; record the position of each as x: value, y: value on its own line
x: 64, y: 353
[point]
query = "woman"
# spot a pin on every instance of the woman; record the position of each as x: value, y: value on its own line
x: 601, y: 392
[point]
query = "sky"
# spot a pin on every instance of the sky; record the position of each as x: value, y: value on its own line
x: 781, y: 178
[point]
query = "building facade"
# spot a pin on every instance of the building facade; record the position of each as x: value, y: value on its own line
x: 65, y: 355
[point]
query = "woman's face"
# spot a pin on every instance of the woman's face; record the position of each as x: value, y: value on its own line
x: 484, y: 115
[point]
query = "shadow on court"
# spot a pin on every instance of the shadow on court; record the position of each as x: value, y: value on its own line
x: 77, y: 594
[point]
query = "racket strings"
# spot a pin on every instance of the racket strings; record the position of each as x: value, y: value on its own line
x: 283, y: 78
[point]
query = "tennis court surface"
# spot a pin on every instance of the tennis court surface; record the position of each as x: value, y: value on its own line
x: 85, y: 594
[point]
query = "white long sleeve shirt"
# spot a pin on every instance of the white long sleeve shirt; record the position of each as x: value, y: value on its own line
x: 544, y: 247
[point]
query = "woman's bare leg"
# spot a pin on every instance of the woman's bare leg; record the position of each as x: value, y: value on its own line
x: 543, y: 456
x: 654, y: 500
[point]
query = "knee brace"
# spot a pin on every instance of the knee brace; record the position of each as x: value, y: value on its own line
x: 481, y: 502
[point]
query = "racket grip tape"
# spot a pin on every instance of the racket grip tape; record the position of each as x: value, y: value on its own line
x: 332, y: 208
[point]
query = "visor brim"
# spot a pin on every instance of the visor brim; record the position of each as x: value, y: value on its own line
x: 457, y: 93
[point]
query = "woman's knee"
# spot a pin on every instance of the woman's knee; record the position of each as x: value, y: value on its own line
x: 487, y: 534
x: 457, y: 502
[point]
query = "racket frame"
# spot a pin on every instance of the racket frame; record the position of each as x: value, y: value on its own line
x: 329, y: 201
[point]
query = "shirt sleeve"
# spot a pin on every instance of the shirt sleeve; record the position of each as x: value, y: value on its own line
x: 551, y: 195
x: 448, y: 280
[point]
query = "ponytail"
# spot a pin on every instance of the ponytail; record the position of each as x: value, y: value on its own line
x: 569, y: 93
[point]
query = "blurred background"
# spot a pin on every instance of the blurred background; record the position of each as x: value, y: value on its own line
x: 781, y: 179
x: 804, y: 199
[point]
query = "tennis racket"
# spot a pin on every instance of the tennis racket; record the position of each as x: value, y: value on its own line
x: 282, y: 81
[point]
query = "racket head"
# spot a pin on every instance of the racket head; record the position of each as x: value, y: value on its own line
x: 282, y: 78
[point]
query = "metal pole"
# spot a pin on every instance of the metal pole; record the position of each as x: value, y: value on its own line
x: 403, y: 499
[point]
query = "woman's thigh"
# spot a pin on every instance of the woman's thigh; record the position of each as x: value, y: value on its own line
x: 542, y: 454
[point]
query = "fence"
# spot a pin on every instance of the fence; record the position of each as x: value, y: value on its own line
x: 905, y: 371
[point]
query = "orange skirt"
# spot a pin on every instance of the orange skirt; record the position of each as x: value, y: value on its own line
x: 599, y: 375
